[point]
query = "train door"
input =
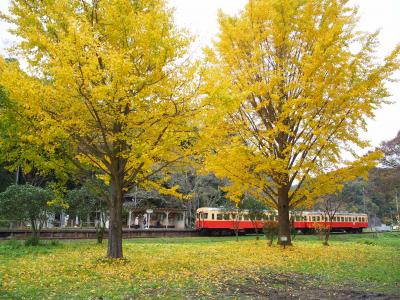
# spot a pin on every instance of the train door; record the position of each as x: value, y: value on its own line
x: 198, y: 220
x: 204, y: 216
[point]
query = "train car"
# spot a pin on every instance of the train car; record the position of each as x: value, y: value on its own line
x: 221, y: 221
x: 309, y: 221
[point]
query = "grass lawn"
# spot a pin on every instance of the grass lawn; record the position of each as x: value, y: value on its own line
x: 352, y: 266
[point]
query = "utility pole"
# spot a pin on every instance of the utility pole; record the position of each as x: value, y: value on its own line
x: 397, y: 205
x: 17, y: 176
x: 363, y: 196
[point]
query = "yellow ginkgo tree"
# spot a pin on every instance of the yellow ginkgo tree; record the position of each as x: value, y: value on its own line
x: 108, y: 86
x: 290, y: 84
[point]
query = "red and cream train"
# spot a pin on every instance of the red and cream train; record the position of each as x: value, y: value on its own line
x: 221, y: 221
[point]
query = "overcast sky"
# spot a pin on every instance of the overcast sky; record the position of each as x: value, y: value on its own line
x: 200, y: 17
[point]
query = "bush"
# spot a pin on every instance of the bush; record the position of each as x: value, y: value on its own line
x: 33, y: 240
x: 54, y: 243
x: 13, y: 244
x: 270, y: 231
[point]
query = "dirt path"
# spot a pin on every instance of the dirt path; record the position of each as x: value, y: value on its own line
x: 294, y: 286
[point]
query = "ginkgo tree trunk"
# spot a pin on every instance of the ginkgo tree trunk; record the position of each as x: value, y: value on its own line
x: 107, y: 86
x: 290, y: 84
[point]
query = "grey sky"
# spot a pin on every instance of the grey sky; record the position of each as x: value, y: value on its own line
x: 200, y: 17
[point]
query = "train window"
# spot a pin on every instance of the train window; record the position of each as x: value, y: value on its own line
x: 205, y: 215
x: 246, y: 217
x: 305, y: 218
x: 318, y: 218
x: 212, y: 216
x: 226, y: 216
x: 219, y: 216
x: 313, y: 218
x: 342, y: 219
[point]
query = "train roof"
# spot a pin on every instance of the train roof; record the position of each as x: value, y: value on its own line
x: 304, y: 212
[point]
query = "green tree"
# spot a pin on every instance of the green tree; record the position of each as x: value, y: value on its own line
x: 81, y: 203
x: 27, y: 203
x: 255, y: 210
x: 87, y: 200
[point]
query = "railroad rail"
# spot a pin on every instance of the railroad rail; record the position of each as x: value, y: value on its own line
x: 90, y: 233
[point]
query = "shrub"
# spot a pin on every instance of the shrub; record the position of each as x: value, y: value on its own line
x: 270, y: 231
x: 33, y: 240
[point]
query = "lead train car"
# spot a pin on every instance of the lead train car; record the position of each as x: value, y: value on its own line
x: 212, y: 220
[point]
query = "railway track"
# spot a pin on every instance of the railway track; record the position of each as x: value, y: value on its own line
x: 90, y: 233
